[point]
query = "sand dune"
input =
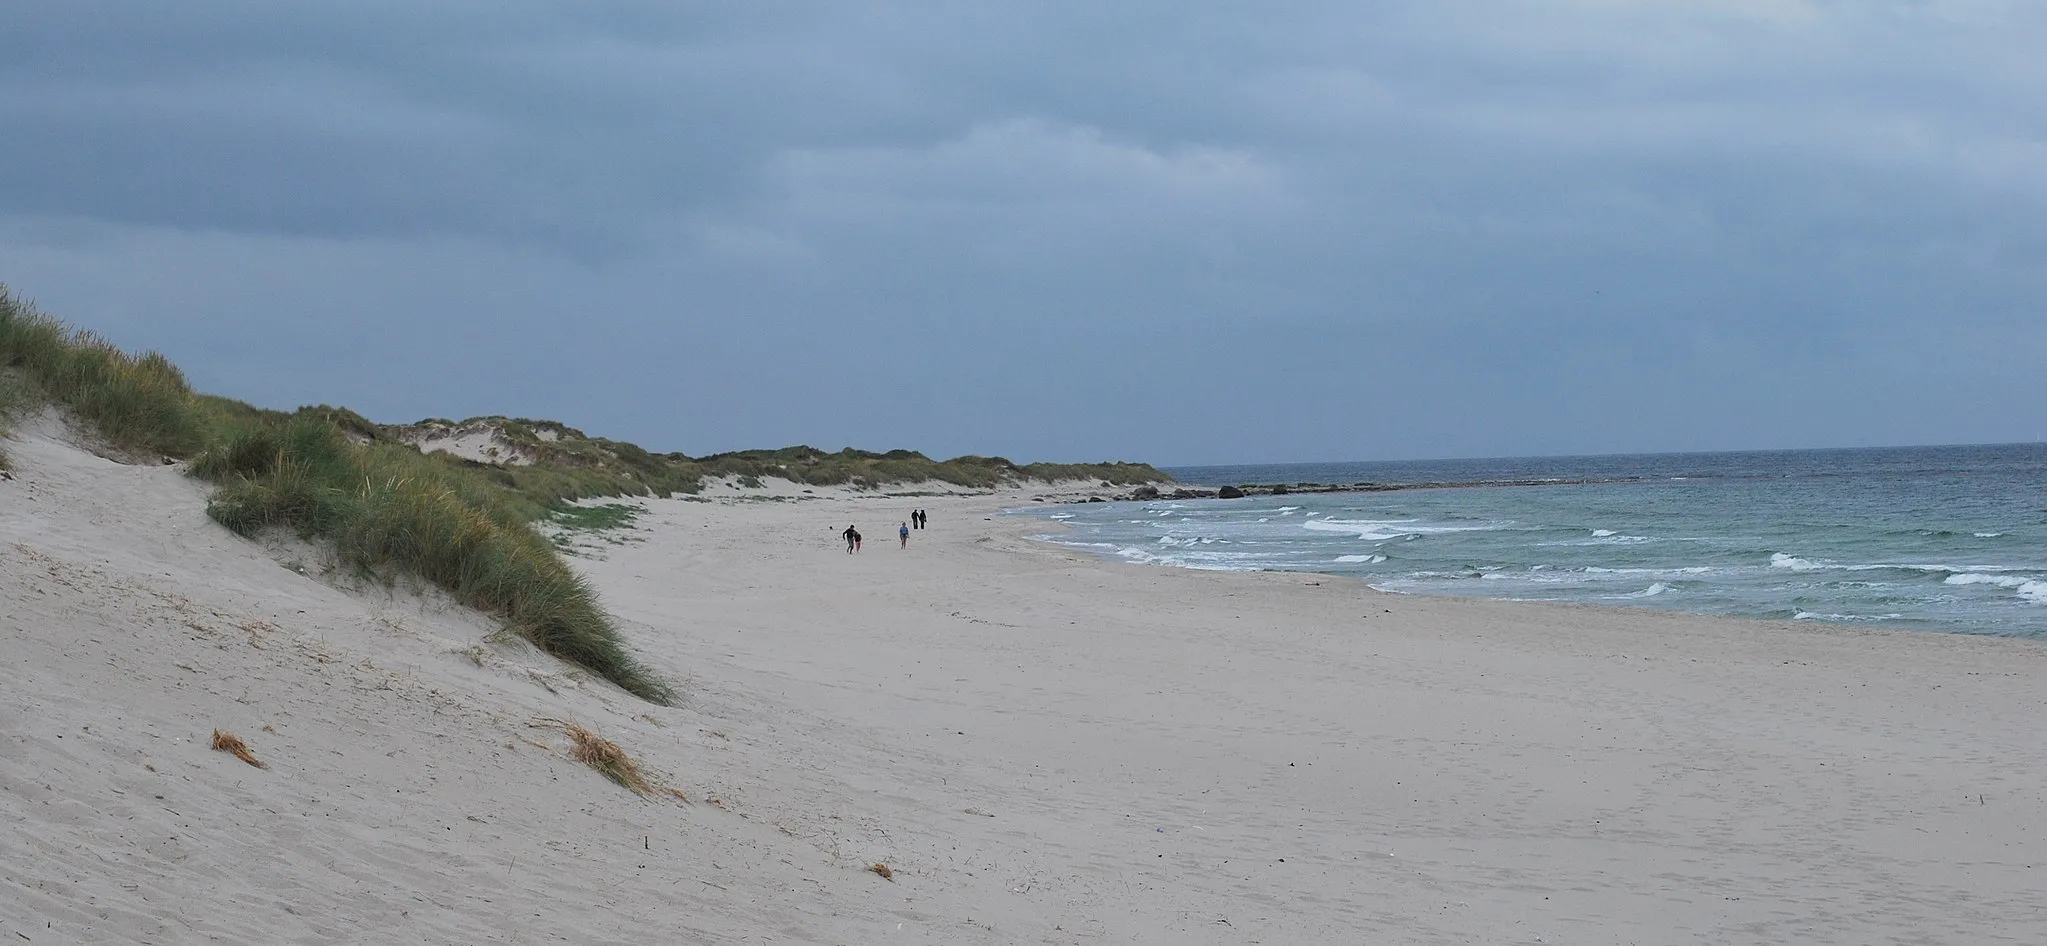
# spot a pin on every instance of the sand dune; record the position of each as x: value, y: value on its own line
x: 1042, y: 749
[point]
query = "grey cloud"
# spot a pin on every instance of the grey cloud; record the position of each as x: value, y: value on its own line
x: 1062, y: 230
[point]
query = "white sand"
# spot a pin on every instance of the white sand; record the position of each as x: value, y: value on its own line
x: 1044, y: 750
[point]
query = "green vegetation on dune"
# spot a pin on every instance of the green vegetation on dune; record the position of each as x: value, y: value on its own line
x: 384, y: 508
x: 595, y: 518
x: 561, y: 463
x: 869, y: 470
x: 12, y: 397
x: 138, y: 403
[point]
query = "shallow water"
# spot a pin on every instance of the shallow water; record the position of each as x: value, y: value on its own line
x: 1944, y: 538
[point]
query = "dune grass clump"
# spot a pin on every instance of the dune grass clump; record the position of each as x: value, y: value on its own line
x: 12, y: 398
x: 607, y: 758
x: 139, y: 403
x: 390, y: 508
x: 224, y: 741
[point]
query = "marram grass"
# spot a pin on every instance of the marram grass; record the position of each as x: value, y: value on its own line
x: 385, y: 509
x: 139, y: 403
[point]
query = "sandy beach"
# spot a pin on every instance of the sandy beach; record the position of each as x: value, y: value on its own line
x: 1041, y: 748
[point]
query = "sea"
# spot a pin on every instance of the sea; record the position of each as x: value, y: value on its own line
x: 1949, y: 538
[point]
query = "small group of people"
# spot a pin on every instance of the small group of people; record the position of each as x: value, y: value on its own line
x: 917, y: 520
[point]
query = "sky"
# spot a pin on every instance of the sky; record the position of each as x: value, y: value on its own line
x: 1178, y: 232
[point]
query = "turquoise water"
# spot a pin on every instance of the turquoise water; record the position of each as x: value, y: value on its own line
x: 1941, y: 538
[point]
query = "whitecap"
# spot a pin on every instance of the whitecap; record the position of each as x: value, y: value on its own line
x: 1989, y: 535
x: 2001, y: 581
x: 1943, y: 569
x: 1381, y: 530
x: 1603, y: 533
x: 1369, y: 531
x: 1652, y: 591
x: 1793, y: 562
x: 1360, y: 559
x: 1061, y: 515
x: 2030, y: 589
x: 1685, y: 570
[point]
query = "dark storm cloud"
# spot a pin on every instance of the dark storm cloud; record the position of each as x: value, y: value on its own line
x: 1189, y: 232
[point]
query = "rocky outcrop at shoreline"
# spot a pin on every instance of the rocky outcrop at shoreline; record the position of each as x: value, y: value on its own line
x: 1149, y: 493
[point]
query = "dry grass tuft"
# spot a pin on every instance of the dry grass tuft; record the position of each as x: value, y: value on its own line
x: 883, y: 870
x: 603, y: 755
x: 224, y: 741
x: 607, y: 758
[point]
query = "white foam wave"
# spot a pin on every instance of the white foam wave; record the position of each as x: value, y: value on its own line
x: 1360, y: 559
x: 1368, y: 531
x: 1793, y: 562
x: 1652, y: 591
x: 1949, y: 568
x: 2027, y: 588
x: 1060, y: 515
x: 1382, y: 530
x: 1685, y: 570
x: 1815, y: 616
x: 2001, y: 581
x: 1603, y: 533
x: 1989, y: 535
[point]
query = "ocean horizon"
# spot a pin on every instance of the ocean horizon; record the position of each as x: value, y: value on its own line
x: 1946, y: 538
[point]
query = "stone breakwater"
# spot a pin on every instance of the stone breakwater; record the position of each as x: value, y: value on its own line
x: 1147, y: 493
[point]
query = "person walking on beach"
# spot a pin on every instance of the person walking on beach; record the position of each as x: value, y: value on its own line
x: 852, y: 538
x: 903, y: 533
x: 856, y: 540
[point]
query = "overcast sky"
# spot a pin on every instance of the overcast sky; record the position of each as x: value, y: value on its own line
x: 1179, y: 232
